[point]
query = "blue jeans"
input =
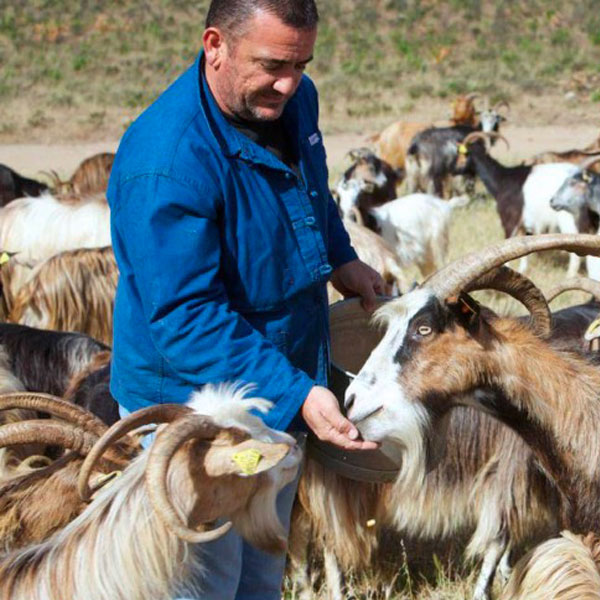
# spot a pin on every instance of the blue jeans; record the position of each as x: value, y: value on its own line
x: 232, y: 569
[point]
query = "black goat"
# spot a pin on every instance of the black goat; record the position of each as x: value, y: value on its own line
x: 13, y: 185
x: 377, y: 181
x: 46, y: 361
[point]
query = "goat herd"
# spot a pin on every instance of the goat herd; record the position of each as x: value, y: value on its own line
x: 494, y: 416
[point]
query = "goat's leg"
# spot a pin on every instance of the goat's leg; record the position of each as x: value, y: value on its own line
x: 488, y: 568
x: 504, y: 568
x: 574, y: 263
x: 333, y: 576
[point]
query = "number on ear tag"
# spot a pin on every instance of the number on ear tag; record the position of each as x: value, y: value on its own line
x: 247, y: 460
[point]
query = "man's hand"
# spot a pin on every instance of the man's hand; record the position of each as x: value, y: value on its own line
x: 322, y: 414
x: 358, y: 279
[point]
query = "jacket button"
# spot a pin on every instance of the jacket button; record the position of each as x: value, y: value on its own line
x: 310, y: 221
x: 314, y: 194
x: 326, y: 269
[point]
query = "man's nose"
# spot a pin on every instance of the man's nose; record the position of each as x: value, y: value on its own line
x: 286, y: 86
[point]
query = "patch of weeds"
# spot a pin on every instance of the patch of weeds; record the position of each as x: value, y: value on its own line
x: 420, y: 89
x: 80, y: 61
x: 7, y: 127
x: 39, y: 120
x: 595, y: 96
x: 560, y: 37
x: 96, y: 118
x: 62, y: 99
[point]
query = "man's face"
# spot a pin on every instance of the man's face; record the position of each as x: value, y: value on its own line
x: 260, y: 68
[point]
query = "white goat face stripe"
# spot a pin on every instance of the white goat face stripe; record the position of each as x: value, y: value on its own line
x: 380, y: 407
x: 348, y: 191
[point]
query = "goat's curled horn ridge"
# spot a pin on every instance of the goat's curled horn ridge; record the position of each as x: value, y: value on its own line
x: 584, y: 284
x: 504, y: 279
x: 486, y: 136
x: 161, y: 453
x: 454, y: 277
x: 161, y: 413
x: 57, y: 407
x: 45, y: 431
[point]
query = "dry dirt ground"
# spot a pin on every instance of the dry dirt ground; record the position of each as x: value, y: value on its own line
x: 31, y: 159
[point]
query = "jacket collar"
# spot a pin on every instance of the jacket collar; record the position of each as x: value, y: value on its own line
x: 230, y: 140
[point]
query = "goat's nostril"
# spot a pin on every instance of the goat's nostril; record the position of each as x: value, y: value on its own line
x: 349, y: 401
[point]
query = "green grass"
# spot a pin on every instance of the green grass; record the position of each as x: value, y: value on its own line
x: 101, y: 56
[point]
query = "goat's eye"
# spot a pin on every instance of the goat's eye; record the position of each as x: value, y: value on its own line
x: 424, y: 330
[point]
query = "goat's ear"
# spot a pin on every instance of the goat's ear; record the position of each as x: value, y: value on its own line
x: 247, y: 458
x: 466, y: 310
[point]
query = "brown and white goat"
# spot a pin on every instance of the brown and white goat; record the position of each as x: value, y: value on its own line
x: 440, y: 351
x: 90, y: 177
x: 563, y: 568
x: 38, y: 495
x: 131, y: 543
x: 71, y: 291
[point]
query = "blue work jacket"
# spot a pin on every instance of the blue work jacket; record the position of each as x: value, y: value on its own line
x: 223, y: 252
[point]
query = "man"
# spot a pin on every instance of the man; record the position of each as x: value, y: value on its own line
x: 225, y: 234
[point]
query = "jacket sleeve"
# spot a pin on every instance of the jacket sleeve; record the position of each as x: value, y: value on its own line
x: 168, y: 232
x: 340, y: 250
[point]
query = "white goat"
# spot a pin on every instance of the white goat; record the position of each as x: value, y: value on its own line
x: 38, y: 228
x: 132, y: 541
x: 417, y: 227
x: 538, y: 216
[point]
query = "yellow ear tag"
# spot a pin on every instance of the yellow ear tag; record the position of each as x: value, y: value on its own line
x: 4, y: 258
x: 587, y: 177
x: 247, y: 460
x: 462, y: 149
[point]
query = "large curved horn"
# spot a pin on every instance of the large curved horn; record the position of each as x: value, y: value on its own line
x: 470, y: 97
x: 588, y: 162
x: 500, y: 104
x: 161, y: 413
x: 503, y: 279
x: 57, y: 407
x: 584, y: 284
x: 161, y: 453
x: 451, y: 279
x: 486, y: 136
x: 45, y: 431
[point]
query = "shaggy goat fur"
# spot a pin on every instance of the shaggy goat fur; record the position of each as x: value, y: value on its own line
x: 72, y: 291
x: 488, y: 483
x: 38, y: 228
x: 46, y: 361
x: 120, y: 549
x: 564, y: 568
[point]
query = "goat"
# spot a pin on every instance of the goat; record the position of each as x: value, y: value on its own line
x: 522, y: 193
x: 573, y: 156
x: 35, y: 502
x: 137, y: 521
x: 432, y: 155
x: 13, y: 185
x: 487, y: 480
x: 369, y: 182
x: 441, y: 351
x: 71, y: 291
x: 580, y: 195
x: 417, y: 227
x: 46, y: 361
x: 90, y: 177
x: 40, y: 227
x: 378, y: 254
x: 393, y: 142
x: 564, y: 568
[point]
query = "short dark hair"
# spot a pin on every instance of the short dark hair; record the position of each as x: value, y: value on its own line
x: 230, y: 15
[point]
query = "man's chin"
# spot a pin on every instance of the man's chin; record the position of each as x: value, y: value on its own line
x: 267, y: 113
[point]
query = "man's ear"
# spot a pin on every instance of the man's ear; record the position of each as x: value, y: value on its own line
x: 247, y: 458
x: 214, y: 46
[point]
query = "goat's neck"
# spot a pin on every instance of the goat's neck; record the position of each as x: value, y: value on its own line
x: 551, y: 399
x: 495, y: 176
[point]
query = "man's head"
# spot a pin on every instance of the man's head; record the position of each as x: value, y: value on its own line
x: 256, y: 51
